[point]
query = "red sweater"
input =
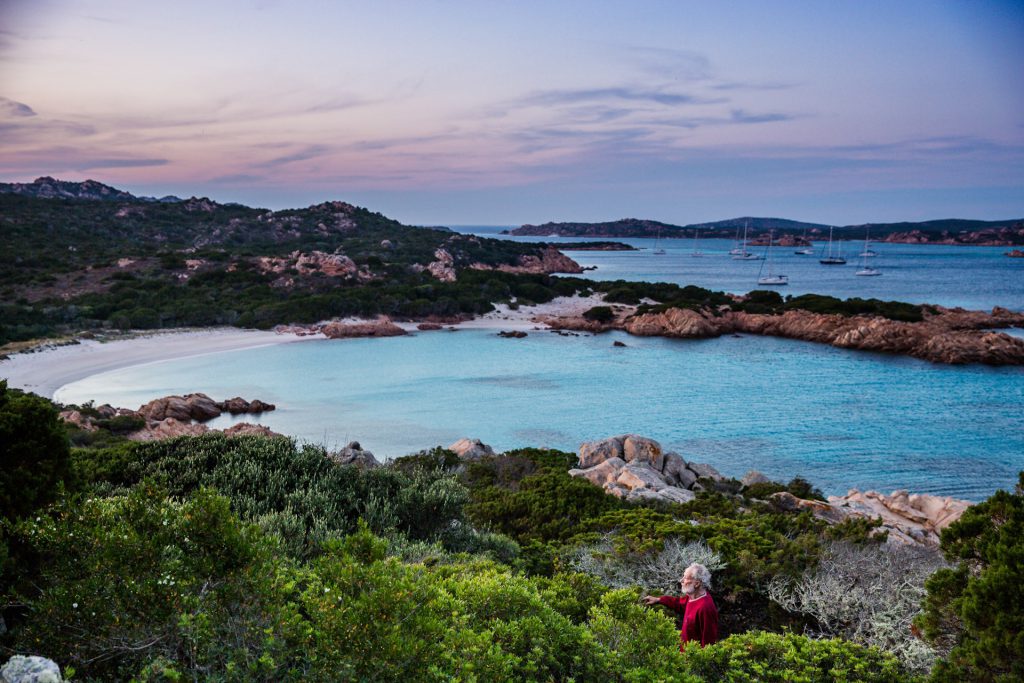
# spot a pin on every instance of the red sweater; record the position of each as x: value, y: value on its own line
x: 700, y: 618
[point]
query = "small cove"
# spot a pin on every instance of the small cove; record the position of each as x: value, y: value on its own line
x: 840, y: 419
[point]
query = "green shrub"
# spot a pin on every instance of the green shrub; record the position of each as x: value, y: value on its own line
x: 35, y: 456
x: 601, y: 314
x: 758, y: 657
x: 977, y: 607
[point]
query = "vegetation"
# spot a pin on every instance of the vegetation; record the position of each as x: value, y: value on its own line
x: 976, y: 608
x: 254, y: 558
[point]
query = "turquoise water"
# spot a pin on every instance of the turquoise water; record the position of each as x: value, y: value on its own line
x: 970, y: 277
x: 841, y: 419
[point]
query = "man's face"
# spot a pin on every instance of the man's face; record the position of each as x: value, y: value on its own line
x: 688, y: 583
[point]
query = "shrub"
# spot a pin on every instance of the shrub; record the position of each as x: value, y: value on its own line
x: 759, y: 657
x: 35, y: 456
x: 977, y: 607
x: 601, y: 314
x: 868, y: 595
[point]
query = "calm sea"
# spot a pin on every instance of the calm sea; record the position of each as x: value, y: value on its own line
x: 841, y: 419
x: 971, y: 277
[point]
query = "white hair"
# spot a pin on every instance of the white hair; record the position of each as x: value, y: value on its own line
x: 701, y: 573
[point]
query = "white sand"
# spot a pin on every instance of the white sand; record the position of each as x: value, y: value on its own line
x: 44, y: 372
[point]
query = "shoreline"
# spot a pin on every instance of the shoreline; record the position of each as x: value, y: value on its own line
x: 46, y: 370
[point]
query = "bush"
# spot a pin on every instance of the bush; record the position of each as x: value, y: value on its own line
x: 601, y: 314
x: 977, y: 607
x: 758, y: 657
x: 36, y: 453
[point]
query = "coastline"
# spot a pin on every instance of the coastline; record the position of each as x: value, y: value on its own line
x: 46, y: 370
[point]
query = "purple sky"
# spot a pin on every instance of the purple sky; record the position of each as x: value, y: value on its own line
x: 447, y: 112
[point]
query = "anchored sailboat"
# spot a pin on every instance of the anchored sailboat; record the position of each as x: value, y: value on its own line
x: 696, y: 251
x: 804, y: 251
x: 743, y: 254
x: 832, y: 259
x: 866, y: 270
x: 771, y: 279
x: 657, y: 243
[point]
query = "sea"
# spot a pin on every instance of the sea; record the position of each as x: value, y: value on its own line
x: 841, y: 419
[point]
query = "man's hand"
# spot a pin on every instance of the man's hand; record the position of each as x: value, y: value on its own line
x: 649, y: 600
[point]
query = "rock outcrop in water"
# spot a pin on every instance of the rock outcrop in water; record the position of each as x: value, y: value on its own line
x: 953, y: 336
x: 170, y: 416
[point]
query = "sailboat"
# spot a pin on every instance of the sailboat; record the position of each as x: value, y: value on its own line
x: 866, y: 270
x: 737, y: 250
x: 657, y: 243
x: 771, y: 279
x: 804, y: 251
x: 868, y: 252
x: 696, y: 251
x: 832, y: 259
x: 743, y: 254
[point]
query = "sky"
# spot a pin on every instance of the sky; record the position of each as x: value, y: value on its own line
x: 440, y: 112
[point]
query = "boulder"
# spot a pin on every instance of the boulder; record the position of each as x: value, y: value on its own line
x: 643, y: 495
x: 676, y: 495
x: 672, y: 465
x: 637, y: 475
x: 594, y: 452
x: 381, y: 327
x: 195, y: 406
x: 754, y: 477
x: 353, y: 454
x: 470, y: 449
x: 602, y: 474
x: 32, y: 669
x: 704, y: 471
x: 641, y: 449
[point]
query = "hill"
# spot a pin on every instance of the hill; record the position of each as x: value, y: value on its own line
x: 86, y: 255
x: 946, y: 231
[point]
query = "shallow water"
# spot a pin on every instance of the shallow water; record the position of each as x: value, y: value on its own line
x: 838, y: 418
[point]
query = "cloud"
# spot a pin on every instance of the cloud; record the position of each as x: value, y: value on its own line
x: 556, y: 97
x: 9, y: 107
x: 670, y: 64
x: 86, y: 164
x: 239, y: 178
x: 308, y: 152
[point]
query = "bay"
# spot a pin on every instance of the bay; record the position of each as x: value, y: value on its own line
x: 838, y: 418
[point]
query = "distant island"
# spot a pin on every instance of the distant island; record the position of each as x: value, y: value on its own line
x: 952, y: 231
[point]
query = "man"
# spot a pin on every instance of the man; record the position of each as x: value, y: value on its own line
x: 700, y: 616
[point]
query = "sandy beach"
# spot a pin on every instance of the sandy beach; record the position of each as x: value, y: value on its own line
x: 46, y: 370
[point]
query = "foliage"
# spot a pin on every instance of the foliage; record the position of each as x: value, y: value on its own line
x: 867, y: 595
x: 654, y: 571
x: 819, y: 303
x: 758, y: 657
x: 298, y: 493
x: 35, y: 455
x: 601, y: 314
x: 977, y: 607
x: 128, y: 580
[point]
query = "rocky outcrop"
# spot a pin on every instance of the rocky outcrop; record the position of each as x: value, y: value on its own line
x: 381, y: 327
x: 332, y: 265
x: 238, y: 406
x: 909, y: 518
x: 32, y: 669
x: 952, y: 336
x: 443, y: 267
x: 173, y: 416
x: 550, y: 261
x: 1014, y: 253
x: 199, y: 407
x: 471, y: 449
x: 353, y: 454
x: 636, y: 468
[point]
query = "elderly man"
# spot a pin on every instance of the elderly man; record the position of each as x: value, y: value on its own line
x: 700, y: 616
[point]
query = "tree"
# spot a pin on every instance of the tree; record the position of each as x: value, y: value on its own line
x: 978, y: 606
x: 34, y: 452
